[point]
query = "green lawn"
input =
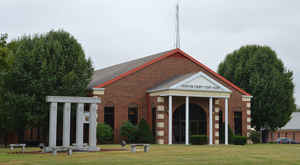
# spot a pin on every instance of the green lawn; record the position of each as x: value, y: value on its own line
x: 280, y: 154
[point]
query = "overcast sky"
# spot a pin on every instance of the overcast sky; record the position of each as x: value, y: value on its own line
x: 115, y: 31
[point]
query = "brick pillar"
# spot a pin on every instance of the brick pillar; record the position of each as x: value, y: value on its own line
x: 160, y: 121
x: 248, y: 106
x: 217, y: 127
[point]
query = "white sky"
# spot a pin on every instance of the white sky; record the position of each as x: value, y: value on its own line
x: 115, y: 31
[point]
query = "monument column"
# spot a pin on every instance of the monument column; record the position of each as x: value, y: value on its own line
x: 79, y: 125
x: 66, y: 124
x: 93, y: 127
x: 52, y: 124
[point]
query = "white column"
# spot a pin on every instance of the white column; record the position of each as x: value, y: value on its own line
x: 52, y: 124
x: 66, y: 124
x: 79, y: 125
x: 226, y: 121
x: 170, y: 119
x: 210, y: 121
x: 93, y: 127
x: 187, y: 120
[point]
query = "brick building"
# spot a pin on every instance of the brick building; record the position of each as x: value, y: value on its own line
x: 291, y: 130
x: 171, y: 87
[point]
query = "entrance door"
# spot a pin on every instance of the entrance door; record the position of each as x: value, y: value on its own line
x: 197, y: 124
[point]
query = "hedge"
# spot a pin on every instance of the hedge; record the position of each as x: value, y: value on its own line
x: 104, y: 133
x: 128, y: 132
x: 198, y: 139
x: 144, y: 133
x: 239, y: 140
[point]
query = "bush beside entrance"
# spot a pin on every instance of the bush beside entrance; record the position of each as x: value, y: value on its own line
x: 104, y: 133
x: 136, y: 134
x: 198, y: 139
x: 239, y: 140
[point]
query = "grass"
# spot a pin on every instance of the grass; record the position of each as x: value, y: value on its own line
x: 274, y: 154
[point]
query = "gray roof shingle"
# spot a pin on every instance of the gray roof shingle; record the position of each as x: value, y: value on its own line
x: 294, y: 123
x: 102, y: 75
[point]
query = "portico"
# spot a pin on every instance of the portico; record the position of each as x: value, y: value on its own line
x: 192, y: 85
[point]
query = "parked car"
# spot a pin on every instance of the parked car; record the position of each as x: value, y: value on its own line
x: 284, y: 140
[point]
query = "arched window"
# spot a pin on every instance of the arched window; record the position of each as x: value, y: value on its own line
x: 133, y: 113
x: 109, y: 115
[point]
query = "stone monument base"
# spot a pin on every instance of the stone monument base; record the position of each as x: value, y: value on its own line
x: 73, y: 148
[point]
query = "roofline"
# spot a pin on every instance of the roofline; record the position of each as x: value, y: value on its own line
x: 166, y: 89
x: 177, y: 50
x: 137, y: 69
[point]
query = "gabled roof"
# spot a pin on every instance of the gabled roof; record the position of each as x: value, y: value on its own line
x: 294, y: 123
x: 102, y: 76
x: 108, y: 75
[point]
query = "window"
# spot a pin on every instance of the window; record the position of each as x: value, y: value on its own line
x: 133, y: 114
x: 294, y: 136
x: 286, y: 134
x: 154, y: 122
x: 109, y: 116
x: 221, y: 131
x: 238, y: 123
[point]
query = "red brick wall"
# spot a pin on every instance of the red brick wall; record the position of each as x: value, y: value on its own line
x: 132, y: 89
x: 284, y: 133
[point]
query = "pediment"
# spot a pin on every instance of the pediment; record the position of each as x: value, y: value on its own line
x: 200, y: 82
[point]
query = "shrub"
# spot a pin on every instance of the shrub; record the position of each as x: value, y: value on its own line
x: 239, y: 140
x: 198, y: 139
x: 128, y: 131
x: 104, y: 133
x: 255, y: 136
x: 222, y: 134
x: 144, y: 133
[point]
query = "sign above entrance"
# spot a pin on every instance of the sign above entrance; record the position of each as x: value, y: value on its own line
x: 200, y: 81
x: 191, y: 84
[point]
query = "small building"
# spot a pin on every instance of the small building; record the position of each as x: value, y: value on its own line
x: 176, y: 94
x: 291, y: 130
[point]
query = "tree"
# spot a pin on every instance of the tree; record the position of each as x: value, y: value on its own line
x: 4, y: 64
x: 297, y: 109
x: 258, y: 70
x: 48, y: 64
x: 3, y: 52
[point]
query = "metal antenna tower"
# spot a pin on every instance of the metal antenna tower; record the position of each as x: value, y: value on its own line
x: 177, y: 26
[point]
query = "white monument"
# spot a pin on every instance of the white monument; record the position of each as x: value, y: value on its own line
x: 81, y: 117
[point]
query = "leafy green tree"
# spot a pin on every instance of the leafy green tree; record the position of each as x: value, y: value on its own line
x: 5, y: 62
x: 3, y: 52
x: 48, y: 64
x: 258, y: 70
